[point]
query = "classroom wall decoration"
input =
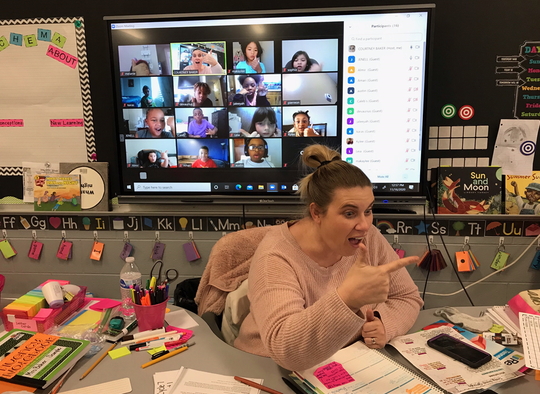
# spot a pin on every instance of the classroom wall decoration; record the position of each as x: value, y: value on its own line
x: 46, y: 111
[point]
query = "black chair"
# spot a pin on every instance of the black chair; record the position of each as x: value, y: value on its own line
x: 142, y: 157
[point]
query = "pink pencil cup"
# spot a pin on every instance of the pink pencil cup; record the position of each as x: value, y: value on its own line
x: 150, y: 317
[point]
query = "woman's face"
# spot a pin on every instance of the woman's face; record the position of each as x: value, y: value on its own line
x: 300, y: 63
x: 301, y: 122
x: 265, y: 128
x: 347, y: 220
x: 152, y: 157
x: 197, y: 58
x: 251, y: 51
x: 198, y: 115
x: 250, y: 85
x: 155, y: 119
x: 256, y: 150
x: 203, y: 155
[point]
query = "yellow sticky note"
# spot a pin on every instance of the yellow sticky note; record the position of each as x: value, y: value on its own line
x: 4, y: 43
x: 497, y: 328
x: 120, y: 352
x: 6, y: 249
x: 58, y: 39
x: 30, y: 40
x: 157, y: 349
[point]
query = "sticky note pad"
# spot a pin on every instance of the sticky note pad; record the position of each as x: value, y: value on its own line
x: 333, y: 375
x: 121, y: 352
x: 157, y: 349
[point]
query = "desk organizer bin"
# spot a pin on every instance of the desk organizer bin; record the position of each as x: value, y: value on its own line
x: 55, y: 318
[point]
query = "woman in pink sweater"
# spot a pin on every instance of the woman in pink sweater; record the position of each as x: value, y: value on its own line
x: 329, y: 279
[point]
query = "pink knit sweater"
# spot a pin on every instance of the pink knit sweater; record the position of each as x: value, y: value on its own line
x: 296, y: 316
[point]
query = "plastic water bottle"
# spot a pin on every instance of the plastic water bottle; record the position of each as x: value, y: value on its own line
x: 129, y: 276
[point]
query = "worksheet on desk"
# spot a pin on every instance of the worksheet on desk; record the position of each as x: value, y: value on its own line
x: 530, y: 331
x: 451, y: 375
x: 200, y: 382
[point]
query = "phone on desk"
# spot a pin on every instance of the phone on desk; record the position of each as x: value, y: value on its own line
x: 458, y: 350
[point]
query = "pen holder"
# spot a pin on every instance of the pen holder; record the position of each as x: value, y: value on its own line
x: 150, y: 317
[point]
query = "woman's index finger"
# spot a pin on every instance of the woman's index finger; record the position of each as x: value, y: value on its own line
x: 398, y: 264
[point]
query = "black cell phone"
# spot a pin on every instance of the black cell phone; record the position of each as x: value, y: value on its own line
x: 458, y: 350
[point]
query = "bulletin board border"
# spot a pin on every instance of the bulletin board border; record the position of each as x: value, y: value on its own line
x: 83, y: 78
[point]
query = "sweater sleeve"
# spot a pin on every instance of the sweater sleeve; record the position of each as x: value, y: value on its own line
x: 402, y: 307
x: 297, y: 337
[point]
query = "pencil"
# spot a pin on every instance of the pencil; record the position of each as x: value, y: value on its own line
x: 173, y: 353
x: 98, y: 361
x: 256, y: 385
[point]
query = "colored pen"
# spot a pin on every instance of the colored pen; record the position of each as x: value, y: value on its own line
x: 170, y: 354
x: 156, y: 343
x: 143, y: 335
x: 256, y: 385
x: 143, y: 339
x: 292, y: 386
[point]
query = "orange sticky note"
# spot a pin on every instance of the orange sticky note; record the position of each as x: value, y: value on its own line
x: 25, y: 354
x: 97, y: 250
x: 537, y: 374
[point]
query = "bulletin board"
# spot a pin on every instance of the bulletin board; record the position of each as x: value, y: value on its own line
x: 46, y: 111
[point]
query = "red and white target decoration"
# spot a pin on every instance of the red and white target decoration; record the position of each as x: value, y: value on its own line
x: 466, y: 112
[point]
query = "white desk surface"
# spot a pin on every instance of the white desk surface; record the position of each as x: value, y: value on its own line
x: 213, y: 355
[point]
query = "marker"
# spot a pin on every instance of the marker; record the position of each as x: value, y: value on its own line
x: 148, y: 339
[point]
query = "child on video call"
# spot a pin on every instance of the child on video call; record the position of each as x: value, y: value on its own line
x: 204, y: 161
x: 253, y: 92
x: 153, y: 160
x: 263, y: 124
x: 301, y: 127
x: 200, y: 127
x: 155, y: 120
x: 303, y: 63
x: 257, y: 149
x: 146, y: 100
x: 252, y: 53
x: 201, y: 90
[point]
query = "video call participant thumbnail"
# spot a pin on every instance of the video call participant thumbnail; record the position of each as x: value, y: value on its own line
x: 146, y: 92
x: 157, y: 124
x: 310, y: 121
x: 310, y: 88
x: 139, y: 153
x: 207, y: 153
x: 200, y: 127
x: 293, y: 149
x: 310, y: 55
x: 199, y: 58
x: 156, y: 60
x: 253, y: 57
x: 199, y: 91
x: 264, y: 124
x: 256, y: 153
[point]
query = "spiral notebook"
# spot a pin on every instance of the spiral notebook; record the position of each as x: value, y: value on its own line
x: 358, y: 369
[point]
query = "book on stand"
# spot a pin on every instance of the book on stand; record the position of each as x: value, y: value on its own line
x: 469, y: 190
x: 57, y: 192
x: 522, y: 194
x: 94, y: 184
x: 35, y: 359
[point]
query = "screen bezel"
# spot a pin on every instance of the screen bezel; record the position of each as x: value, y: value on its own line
x: 283, y: 198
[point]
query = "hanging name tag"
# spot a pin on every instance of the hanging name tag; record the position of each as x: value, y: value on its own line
x: 399, y: 252
x: 97, y: 250
x: 126, y: 251
x: 35, y: 250
x: 6, y: 249
x: 464, y: 263
x: 64, y: 250
x: 191, y: 251
x: 158, y: 251
x: 499, y: 262
x: 536, y: 261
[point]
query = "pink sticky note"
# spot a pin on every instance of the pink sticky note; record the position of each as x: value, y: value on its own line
x: 35, y: 249
x: 11, y: 123
x: 66, y: 122
x: 399, y: 252
x: 186, y: 334
x: 333, y: 375
x: 104, y: 304
x: 61, y: 281
x: 25, y: 324
x: 43, y: 313
x: 62, y: 57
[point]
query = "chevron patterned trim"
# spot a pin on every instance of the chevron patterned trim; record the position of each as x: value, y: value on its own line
x: 10, y: 171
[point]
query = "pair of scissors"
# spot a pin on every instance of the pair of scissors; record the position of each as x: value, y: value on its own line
x: 170, y: 275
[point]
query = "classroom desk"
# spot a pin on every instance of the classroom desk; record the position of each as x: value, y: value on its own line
x: 213, y: 355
